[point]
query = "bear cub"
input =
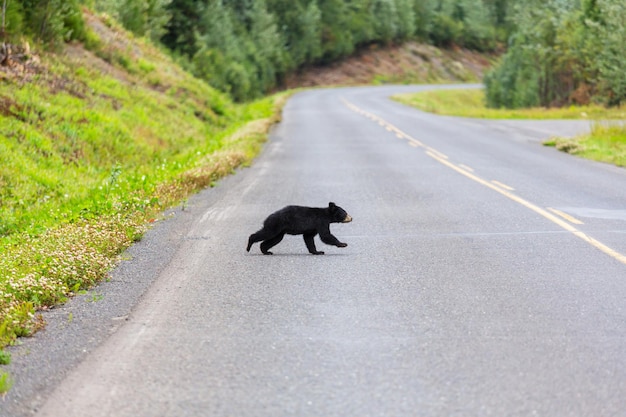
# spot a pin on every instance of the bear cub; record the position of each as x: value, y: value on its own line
x: 298, y: 220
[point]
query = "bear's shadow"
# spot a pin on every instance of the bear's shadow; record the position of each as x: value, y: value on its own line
x: 298, y: 254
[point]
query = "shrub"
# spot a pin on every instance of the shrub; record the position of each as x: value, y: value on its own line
x: 563, y: 52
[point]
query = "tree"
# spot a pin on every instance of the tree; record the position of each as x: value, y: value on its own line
x: 406, y: 20
x: 424, y: 11
x: 4, y: 14
x: 337, y: 40
x: 611, y: 60
x: 362, y: 22
x: 529, y: 70
x: 385, y: 20
x: 184, y: 26
x: 53, y: 21
x: 308, y: 47
x: 265, y: 47
x: 219, y: 51
x: 145, y: 17
x: 563, y: 51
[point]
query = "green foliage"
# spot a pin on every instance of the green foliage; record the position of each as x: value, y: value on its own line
x: 514, y: 83
x: 424, y: 11
x: 337, y: 40
x: 467, y: 23
x: 240, y: 52
x: 478, y: 32
x: 13, y: 19
x: 299, y: 24
x: 385, y: 20
x: 562, y: 52
x: 307, y: 45
x: 534, y: 72
x: 392, y: 20
x: 52, y: 21
x: 184, y: 26
x: 5, y: 357
x: 611, y: 35
x: 445, y: 30
x: 144, y: 18
x: 405, y: 20
x: 5, y: 382
x: 247, y: 47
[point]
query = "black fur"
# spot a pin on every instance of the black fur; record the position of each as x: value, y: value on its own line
x: 298, y: 220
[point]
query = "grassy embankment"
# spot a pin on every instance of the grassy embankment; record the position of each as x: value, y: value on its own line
x: 88, y: 160
x: 606, y: 142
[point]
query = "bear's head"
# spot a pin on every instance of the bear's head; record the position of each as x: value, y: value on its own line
x: 337, y: 214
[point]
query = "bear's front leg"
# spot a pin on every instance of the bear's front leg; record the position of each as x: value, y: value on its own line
x: 329, y: 239
x: 310, y: 244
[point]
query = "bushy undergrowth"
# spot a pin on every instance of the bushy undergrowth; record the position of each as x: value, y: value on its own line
x: 605, y: 143
x: 562, y: 52
x: 88, y: 160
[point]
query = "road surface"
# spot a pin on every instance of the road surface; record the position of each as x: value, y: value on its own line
x: 485, y: 275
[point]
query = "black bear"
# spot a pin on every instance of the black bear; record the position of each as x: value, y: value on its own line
x: 298, y: 220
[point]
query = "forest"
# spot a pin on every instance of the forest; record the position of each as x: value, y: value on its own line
x: 246, y: 47
x: 554, y: 52
x: 562, y: 52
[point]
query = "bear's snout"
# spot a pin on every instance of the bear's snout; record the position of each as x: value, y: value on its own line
x: 348, y: 219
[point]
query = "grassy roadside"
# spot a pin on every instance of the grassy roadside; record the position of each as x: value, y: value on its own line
x: 471, y: 103
x: 94, y: 145
x: 605, y: 143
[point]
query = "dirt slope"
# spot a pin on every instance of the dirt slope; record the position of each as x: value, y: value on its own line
x: 409, y: 63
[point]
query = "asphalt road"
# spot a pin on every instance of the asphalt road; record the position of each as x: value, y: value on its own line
x: 485, y: 275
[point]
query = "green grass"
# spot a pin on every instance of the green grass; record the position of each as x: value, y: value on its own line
x: 471, y: 103
x: 605, y: 143
x: 89, y: 161
x: 5, y: 382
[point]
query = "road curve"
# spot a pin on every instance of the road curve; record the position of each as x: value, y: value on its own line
x: 484, y: 275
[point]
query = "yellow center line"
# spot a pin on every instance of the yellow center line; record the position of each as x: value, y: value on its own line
x: 504, y: 190
x: 499, y: 184
x: 436, y: 152
x: 415, y: 142
x: 578, y: 233
x: 566, y: 216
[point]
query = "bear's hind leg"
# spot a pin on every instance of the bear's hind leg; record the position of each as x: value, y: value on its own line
x: 310, y: 244
x: 252, y: 240
x: 262, y: 234
x: 271, y: 242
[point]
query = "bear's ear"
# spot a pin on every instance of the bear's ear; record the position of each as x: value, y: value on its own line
x: 331, y: 205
